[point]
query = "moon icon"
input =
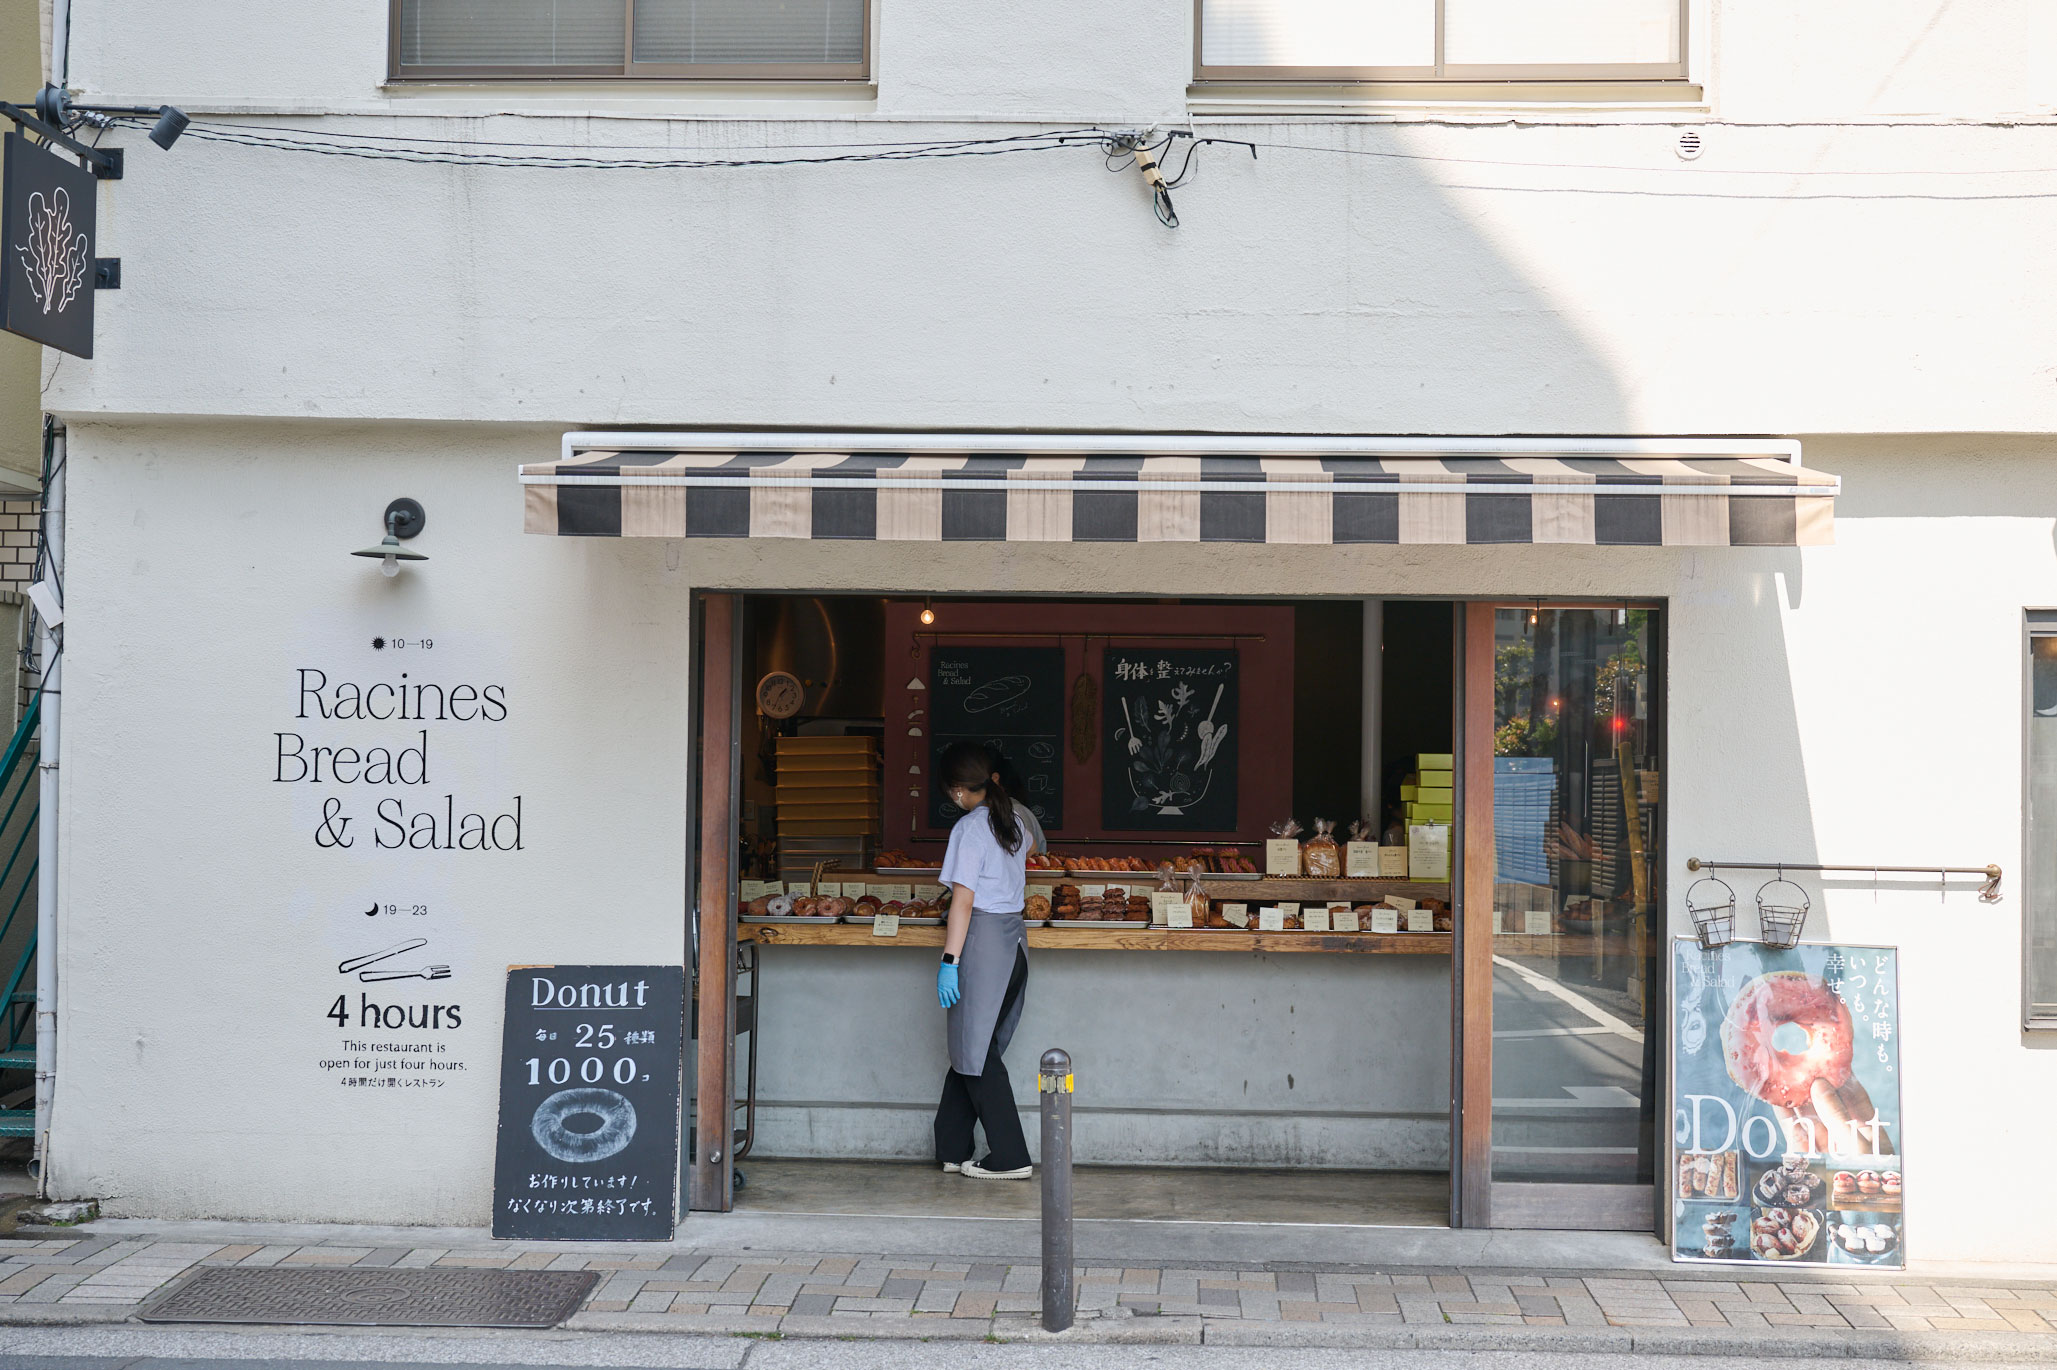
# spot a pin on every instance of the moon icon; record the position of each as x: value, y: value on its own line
x: 372, y: 912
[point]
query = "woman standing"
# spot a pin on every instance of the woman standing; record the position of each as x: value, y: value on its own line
x: 984, y: 975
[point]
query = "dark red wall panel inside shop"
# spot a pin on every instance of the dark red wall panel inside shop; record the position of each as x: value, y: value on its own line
x: 1264, y: 725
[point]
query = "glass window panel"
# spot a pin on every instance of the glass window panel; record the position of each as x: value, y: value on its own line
x: 742, y: 31
x: 1576, y: 907
x: 1560, y: 32
x: 1318, y: 33
x: 2042, y: 830
x: 512, y: 33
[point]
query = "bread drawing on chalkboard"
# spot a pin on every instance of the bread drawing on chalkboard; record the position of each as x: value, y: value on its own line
x: 1008, y: 694
x: 1172, y: 746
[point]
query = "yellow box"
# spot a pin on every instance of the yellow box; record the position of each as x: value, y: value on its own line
x: 1438, y: 779
x: 1435, y: 794
x: 1408, y: 793
x: 1436, y: 761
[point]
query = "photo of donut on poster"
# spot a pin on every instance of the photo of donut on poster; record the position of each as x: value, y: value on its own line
x: 1786, y: 1105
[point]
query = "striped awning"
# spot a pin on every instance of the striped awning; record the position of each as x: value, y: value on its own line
x: 1515, y: 491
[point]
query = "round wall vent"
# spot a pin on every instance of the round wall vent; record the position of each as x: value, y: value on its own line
x: 1689, y: 145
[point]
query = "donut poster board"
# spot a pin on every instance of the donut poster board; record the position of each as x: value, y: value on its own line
x: 1786, y: 1124
x: 589, y: 1104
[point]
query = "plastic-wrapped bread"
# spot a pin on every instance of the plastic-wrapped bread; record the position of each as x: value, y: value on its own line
x: 1320, y: 857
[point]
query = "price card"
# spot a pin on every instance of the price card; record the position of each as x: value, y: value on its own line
x: 1385, y: 919
x: 796, y: 888
x: 1360, y: 860
x: 1271, y: 920
x: 1091, y: 891
x: 928, y: 892
x: 1343, y: 918
x: 1180, y: 914
x: 757, y: 889
x: 1315, y: 920
x: 1421, y: 920
x: 888, y: 893
x: 1392, y: 863
x: 1288, y: 910
x: 1282, y: 856
x: 1236, y: 915
x: 1398, y: 901
x: 855, y: 889
x: 1536, y: 922
x: 886, y: 925
x: 1166, y: 904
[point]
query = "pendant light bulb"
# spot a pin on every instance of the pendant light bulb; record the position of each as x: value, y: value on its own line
x: 390, y: 566
x: 928, y: 615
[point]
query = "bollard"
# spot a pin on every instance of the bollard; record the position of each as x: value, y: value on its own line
x: 1060, y: 1294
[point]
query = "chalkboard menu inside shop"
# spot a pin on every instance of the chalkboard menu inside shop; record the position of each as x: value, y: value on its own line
x: 589, y: 1104
x: 1169, y: 744
x: 1785, y: 1109
x: 1009, y: 700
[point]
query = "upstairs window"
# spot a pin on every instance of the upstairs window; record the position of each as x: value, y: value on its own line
x: 729, y: 40
x: 1441, y: 40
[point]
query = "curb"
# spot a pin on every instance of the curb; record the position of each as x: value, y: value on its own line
x: 1867, y: 1345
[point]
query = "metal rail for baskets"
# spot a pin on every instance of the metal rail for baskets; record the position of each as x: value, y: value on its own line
x: 1988, y: 893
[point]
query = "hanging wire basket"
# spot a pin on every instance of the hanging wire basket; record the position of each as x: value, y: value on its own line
x: 1781, y: 912
x: 1713, y: 910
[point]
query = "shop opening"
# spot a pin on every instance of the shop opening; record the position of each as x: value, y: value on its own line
x: 1302, y: 1052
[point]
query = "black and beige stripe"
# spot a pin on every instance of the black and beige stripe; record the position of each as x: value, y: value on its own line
x: 936, y: 496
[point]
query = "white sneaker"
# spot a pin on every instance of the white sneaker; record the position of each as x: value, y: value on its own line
x: 951, y: 1167
x: 973, y: 1170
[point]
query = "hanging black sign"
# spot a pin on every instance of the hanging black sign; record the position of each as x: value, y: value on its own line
x: 1168, y: 755
x: 47, y: 237
x: 589, y: 1104
x: 1010, y: 700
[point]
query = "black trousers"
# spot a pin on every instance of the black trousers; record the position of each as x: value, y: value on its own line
x: 986, y: 1098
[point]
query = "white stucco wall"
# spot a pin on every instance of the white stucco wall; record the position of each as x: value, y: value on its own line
x: 202, y: 924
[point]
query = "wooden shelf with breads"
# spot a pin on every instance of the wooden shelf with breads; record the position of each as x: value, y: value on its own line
x: 1111, y: 938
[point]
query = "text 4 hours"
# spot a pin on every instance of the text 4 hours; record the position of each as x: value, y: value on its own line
x: 591, y: 1071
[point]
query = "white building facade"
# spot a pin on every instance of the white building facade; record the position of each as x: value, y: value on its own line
x: 372, y: 270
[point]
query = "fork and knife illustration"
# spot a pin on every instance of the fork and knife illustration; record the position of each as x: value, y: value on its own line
x: 371, y: 959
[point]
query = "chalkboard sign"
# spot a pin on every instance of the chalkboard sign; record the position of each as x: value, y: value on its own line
x: 1011, y: 700
x: 1169, y: 751
x: 589, y: 1104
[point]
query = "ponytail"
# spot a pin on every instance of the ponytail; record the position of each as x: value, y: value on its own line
x: 969, y: 766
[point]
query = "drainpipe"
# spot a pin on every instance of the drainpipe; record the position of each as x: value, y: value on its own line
x: 51, y: 654
x: 60, y: 43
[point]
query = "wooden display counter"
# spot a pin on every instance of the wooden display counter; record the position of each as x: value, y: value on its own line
x: 1110, y: 938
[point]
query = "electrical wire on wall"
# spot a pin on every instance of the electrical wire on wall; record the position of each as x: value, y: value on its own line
x: 1123, y: 148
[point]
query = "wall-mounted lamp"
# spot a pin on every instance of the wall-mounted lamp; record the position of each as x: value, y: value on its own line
x: 404, y: 518
x: 928, y: 614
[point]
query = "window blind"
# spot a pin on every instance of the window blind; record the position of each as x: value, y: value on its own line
x: 1560, y: 32
x: 512, y: 33
x: 1318, y: 33
x: 737, y: 32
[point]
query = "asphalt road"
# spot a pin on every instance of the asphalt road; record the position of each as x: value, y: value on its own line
x: 138, y: 1348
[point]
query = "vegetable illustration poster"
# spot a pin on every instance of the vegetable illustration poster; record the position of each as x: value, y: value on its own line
x: 1169, y: 754
x: 1786, y: 1105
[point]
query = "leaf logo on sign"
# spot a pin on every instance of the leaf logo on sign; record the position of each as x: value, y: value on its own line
x: 55, y: 258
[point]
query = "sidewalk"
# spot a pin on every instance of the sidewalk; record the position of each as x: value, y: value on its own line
x: 720, y: 1278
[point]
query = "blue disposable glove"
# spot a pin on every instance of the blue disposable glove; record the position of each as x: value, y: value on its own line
x: 947, y: 992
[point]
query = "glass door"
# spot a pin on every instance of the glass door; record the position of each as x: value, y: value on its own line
x: 1576, y: 914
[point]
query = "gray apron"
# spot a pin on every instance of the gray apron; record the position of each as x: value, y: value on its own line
x: 984, y: 968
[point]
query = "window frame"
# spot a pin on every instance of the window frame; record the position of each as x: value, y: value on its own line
x: 2035, y: 623
x: 1446, y: 73
x: 629, y: 68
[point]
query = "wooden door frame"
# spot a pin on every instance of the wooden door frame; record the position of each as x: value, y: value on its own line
x: 711, y: 1168
x: 1476, y: 1199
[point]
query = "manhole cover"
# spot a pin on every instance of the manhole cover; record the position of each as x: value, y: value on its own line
x: 377, y: 1298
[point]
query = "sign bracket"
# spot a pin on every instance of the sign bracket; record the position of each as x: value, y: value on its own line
x: 104, y: 163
